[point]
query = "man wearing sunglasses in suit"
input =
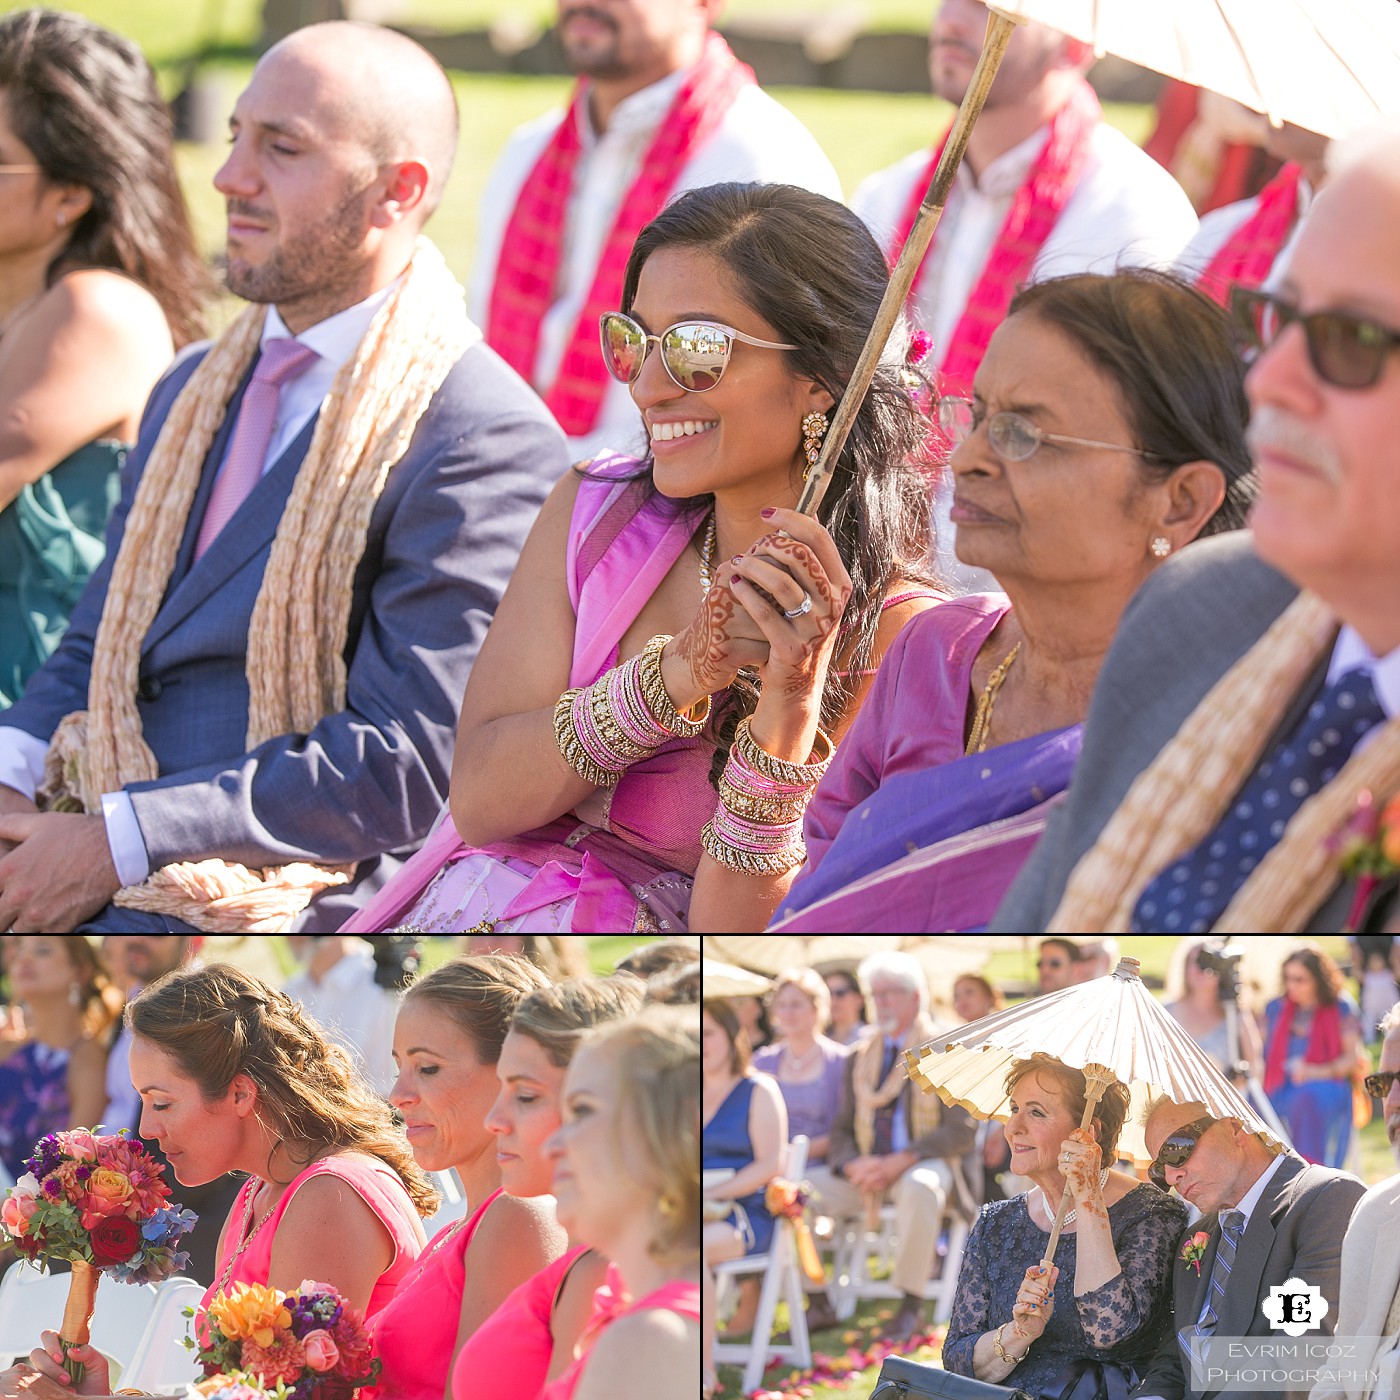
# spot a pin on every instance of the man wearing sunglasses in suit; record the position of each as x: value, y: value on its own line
x: 1269, y: 1219
x: 1370, y: 1305
x: 1318, y: 690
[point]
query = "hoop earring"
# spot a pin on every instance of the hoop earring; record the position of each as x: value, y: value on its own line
x: 75, y: 995
x: 1161, y: 546
x: 61, y: 219
x: 814, y: 427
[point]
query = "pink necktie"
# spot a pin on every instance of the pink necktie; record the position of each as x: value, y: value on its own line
x: 282, y: 359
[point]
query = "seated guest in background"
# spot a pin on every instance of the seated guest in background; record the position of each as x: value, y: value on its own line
x: 337, y: 986
x: 447, y: 1043
x: 1106, y: 433
x: 626, y: 1184
x: 1097, y: 958
x: 974, y: 997
x: 1311, y: 1042
x: 645, y: 962
x: 555, y: 956
x: 1269, y: 1219
x: 744, y: 1135
x: 54, y: 1076
x: 848, y: 1020
x: 1241, y: 243
x: 1055, y: 964
x: 1368, y: 1315
x: 808, y: 1066
x: 1200, y: 1011
x: 532, y: 1337
x: 661, y: 106
x: 1105, y: 1304
x: 892, y: 1143
x: 1047, y: 188
x: 100, y: 282
x: 254, y: 700
x: 234, y: 1076
x: 588, y: 757
x: 1278, y: 682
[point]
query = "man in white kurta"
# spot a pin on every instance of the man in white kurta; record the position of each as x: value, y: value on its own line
x: 634, y: 64
x: 1125, y: 210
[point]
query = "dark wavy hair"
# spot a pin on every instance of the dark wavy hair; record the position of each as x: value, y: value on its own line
x: 1326, y: 975
x: 811, y: 269
x: 84, y: 100
x: 1169, y: 351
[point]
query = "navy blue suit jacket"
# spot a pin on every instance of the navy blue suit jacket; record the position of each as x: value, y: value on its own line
x: 365, y: 784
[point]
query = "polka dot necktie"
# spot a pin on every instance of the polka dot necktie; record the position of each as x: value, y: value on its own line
x: 1189, y: 896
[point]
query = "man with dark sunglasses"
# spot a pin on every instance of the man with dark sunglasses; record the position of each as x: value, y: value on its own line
x: 1369, y: 1315
x: 1273, y: 653
x: 1268, y: 1218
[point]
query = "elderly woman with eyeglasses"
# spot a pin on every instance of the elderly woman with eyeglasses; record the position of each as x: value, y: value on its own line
x: 678, y: 649
x: 1105, y: 432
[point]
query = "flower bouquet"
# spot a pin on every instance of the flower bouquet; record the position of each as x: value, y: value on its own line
x: 235, y: 1386
x: 100, y: 1203
x: 791, y: 1200
x: 311, y: 1342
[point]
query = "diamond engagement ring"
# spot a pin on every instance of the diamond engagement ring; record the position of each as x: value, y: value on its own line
x: 801, y: 610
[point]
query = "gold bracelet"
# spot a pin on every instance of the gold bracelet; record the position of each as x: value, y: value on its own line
x: 1001, y: 1351
x: 658, y: 699
x: 779, y: 770
x: 775, y: 811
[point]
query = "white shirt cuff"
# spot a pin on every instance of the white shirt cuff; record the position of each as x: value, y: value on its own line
x: 21, y: 760
x: 128, y: 846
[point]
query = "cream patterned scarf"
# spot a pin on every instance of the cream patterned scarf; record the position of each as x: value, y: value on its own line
x: 1180, y: 797
x: 297, y: 633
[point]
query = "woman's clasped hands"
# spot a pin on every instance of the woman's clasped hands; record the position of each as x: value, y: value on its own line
x: 777, y: 609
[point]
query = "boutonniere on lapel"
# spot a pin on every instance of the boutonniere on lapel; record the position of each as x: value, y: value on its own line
x: 1194, y: 1250
x: 1367, y: 849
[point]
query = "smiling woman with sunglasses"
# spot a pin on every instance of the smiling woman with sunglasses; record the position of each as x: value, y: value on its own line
x: 1105, y: 432
x: 679, y: 649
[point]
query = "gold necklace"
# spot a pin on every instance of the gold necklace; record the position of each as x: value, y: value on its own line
x: 982, y: 720
x: 248, y: 1237
x: 707, y: 556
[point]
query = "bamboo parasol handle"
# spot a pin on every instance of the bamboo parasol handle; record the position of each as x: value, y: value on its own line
x: 999, y: 30
x: 1097, y: 1079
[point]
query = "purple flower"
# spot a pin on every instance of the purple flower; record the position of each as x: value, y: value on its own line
x: 52, y: 1188
x: 83, y: 1173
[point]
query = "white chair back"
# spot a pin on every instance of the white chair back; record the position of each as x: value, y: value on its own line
x: 160, y: 1361
x: 454, y: 1202
x: 32, y: 1302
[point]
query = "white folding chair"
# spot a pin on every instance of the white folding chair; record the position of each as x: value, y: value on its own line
x: 853, y: 1246
x: 33, y: 1301
x: 160, y: 1361
x: 454, y: 1202
x: 782, y: 1277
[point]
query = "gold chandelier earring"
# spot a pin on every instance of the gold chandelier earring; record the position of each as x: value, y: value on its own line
x: 814, y: 427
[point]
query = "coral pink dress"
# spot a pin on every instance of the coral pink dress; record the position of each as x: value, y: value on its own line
x: 507, y: 1357
x: 609, y: 1306
x: 415, y: 1333
x: 377, y: 1184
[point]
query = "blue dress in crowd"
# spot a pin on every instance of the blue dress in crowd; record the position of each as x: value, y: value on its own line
x: 725, y: 1142
x: 1317, y: 1114
x: 33, y: 1101
x: 1121, y: 1323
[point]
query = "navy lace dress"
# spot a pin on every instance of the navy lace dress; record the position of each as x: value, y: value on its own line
x: 1124, y: 1321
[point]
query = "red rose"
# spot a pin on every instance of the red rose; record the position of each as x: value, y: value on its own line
x: 114, y: 1240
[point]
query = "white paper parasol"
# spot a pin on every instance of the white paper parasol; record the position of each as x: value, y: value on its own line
x: 722, y: 979
x: 1111, y: 1028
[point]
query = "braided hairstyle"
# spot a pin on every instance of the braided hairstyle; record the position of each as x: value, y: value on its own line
x: 217, y: 1021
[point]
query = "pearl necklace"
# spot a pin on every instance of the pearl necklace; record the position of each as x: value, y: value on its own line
x: 800, y: 1062
x: 1070, y: 1216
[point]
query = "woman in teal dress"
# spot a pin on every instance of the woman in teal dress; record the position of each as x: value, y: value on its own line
x: 100, y: 283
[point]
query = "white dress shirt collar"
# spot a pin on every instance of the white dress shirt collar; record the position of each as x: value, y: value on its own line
x: 1351, y: 654
x: 638, y: 111
x: 335, y: 338
x: 1251, y: 1197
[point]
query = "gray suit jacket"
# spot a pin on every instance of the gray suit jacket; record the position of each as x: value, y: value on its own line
x: 443, y: 539
x: 1295, y: 1230
x: 1187, y: 625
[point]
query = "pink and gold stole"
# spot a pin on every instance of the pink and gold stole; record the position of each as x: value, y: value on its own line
x: 533, y: 246
x: 1034, y: 210
x: 1247, y: 257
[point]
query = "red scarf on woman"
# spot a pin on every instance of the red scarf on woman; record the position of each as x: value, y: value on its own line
x: 1324, y: 1042
x: 1034, y: 210
x: 533, y: 246
x: 1246, y: 258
